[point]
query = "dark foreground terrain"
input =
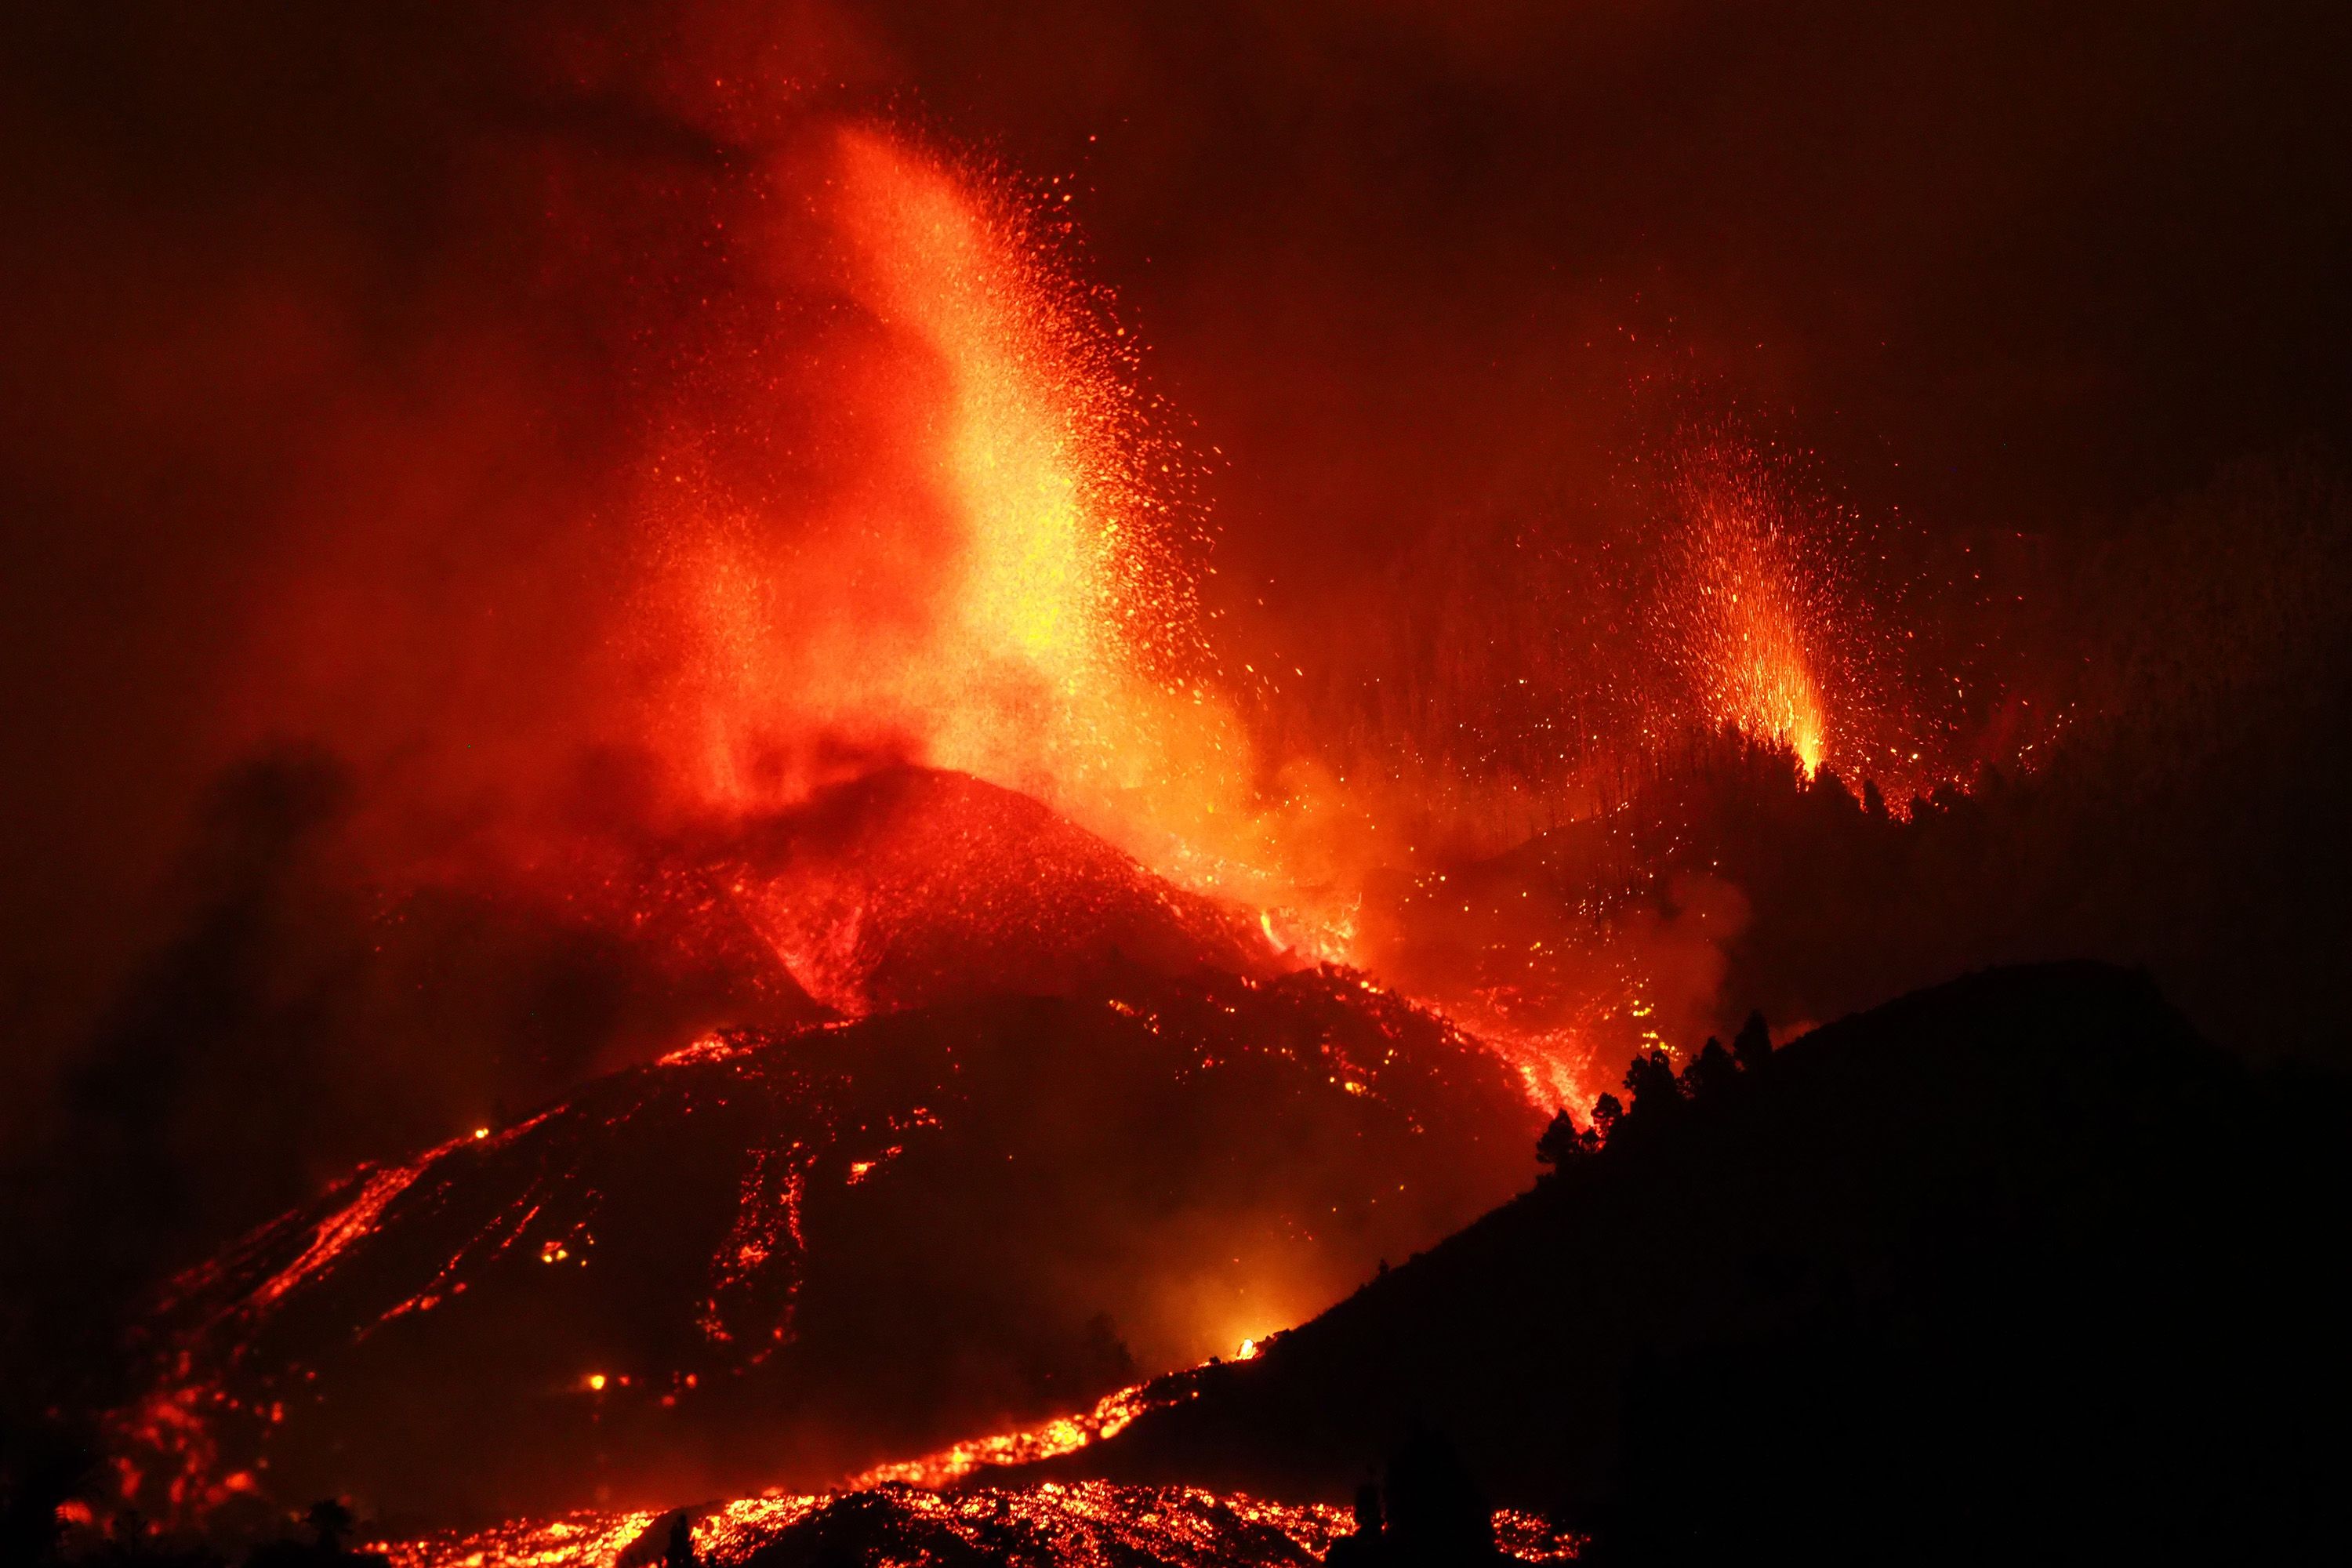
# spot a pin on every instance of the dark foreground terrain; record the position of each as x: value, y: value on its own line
x: 2016, y: 1266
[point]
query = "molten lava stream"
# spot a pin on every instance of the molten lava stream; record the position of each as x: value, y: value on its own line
x: 904, y: 1511
x: 1081, y: 1522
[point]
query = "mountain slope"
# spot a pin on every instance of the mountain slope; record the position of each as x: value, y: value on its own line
x: 776, y: 1260
x: 2015, y: 1255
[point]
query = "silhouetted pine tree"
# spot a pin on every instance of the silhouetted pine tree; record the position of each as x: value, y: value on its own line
x: 679, y: 1551
x: 1607, y: 1112
x: 1711, y: 1070
x: 1753, y: 1044
x: 1563, y: 1142
x: 1437, y: 1516
x: 1650, y: 1080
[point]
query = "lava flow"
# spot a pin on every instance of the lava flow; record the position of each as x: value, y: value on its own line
x: 1089, y: 1522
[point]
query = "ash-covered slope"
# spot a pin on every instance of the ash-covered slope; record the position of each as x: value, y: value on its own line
x: 2015, y: 1264
x: 777, y: 1259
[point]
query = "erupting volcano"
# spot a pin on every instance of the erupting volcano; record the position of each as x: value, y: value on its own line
x: 821, y: 784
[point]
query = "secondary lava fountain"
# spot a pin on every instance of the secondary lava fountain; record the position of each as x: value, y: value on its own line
x: 1742, y: 607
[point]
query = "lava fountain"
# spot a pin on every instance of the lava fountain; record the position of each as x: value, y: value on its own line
x: 1744, y: 611
x: 1006, y: 594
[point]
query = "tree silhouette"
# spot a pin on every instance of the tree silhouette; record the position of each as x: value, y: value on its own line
x: 1563, y: 1142
x: 1607, y: 1112
x: 677, y: 1551
x: 1753, y: 1044
x: 1365, y: 1546
x: 1650, y: 1080
x: 331, y: 1525
x: 1437, y: 1516
x: 1713, y: 1068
